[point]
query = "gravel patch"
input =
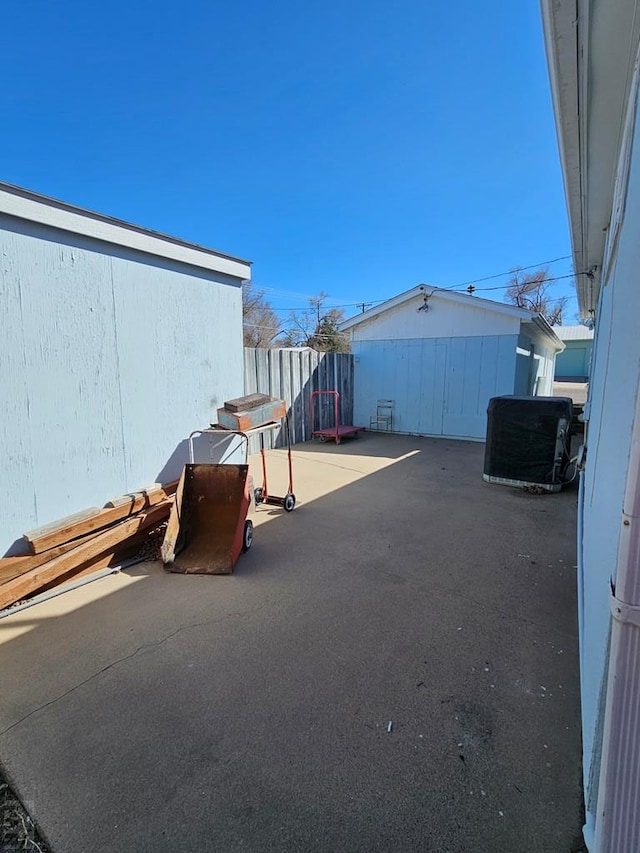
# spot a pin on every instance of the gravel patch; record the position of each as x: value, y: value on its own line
x: 18, y: 833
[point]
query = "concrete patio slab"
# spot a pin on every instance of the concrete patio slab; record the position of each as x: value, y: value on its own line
x: 159, y: 712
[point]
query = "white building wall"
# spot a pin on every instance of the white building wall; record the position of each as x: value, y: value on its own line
x: 109, y: 358
x: 442, y: 366
x: 613, y: 393
x: 440, y: 386
x: 545, y: 362
x: 444, y: 319
x: 535, y: 365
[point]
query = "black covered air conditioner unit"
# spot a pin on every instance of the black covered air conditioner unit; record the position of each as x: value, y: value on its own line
x: 528, y: 441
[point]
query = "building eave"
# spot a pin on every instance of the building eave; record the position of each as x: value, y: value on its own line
x: 422, y: 290
x: 541, y: 325
x: 590, y: 47
x: 26, y: 204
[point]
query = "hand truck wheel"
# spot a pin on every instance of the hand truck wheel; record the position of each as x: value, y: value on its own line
x: 247, y: 538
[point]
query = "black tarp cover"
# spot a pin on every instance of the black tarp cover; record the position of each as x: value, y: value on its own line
x: 521, y: 437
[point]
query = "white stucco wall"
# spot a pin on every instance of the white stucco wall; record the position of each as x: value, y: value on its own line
x: 444, y: 319
x: 109, y: 358
x: 613, y: 391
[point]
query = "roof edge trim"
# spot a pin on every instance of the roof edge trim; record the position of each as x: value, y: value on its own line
x: 25, y: 204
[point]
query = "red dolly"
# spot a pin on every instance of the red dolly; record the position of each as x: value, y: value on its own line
x: 338, y: 431
x: 261, y: 495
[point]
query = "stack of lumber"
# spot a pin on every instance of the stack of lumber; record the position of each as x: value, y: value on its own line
x: 251, y: 412
x: 83, y: 543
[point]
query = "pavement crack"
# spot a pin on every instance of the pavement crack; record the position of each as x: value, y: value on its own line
x: 142, y: 648
x: 72, y: 689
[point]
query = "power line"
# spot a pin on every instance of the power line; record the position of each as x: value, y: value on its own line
x: 505, y: 286
x: 507, y: 272
x: 462, y: 284
x: 450, y: 289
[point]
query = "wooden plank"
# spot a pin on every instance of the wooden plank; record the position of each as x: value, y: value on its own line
x: 294, y: 390
x: 170, y: 542
x: 273, y: 380
x: 123, y: 552
x: 304, y: 412
x: 68, y: 529
x: 285, y: 364
x: 314, y: 362
x: 104, y: 561
x: 250, y: 384
x: 11, y: 567
x: 16, y: 589
x: 159, y: 490
x: 67, y: 521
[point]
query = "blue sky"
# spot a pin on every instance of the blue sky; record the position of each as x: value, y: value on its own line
x: 358, y: 148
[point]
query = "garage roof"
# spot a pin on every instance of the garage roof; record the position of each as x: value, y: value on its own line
x: 31, y: 206
x: 426, y: 291
x: 574, y: 333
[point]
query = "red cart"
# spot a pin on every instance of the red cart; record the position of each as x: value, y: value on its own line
x: 261, y: 495
x: 208, y: 526
x: 338, y: 431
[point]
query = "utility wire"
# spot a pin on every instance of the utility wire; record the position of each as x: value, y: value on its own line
x: 508, y: 272
x: 450, y: 289
x: 461, y: 284
x: 453, y: 289
x: 505, y: 286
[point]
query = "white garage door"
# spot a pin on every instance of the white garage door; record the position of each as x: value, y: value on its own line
x: 440, y: 386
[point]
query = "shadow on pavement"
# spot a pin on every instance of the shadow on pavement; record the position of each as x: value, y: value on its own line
x: 164, y: 712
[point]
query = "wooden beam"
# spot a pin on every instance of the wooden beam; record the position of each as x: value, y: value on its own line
x: 11, y: 567
x: 96, y: 565
x: 170, y: 542
x: 19, y: 587
x: 167, y: 488
x: 71, y: 528
x: 122, y: 552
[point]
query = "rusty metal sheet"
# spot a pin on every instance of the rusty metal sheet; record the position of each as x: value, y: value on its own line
x: 205, y: 534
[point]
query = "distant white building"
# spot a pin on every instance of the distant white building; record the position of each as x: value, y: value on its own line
x: 440, y: 356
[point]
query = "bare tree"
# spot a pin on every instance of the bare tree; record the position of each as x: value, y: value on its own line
x: 531, y: 291
x: 260, y: 324
x: 316, y: 327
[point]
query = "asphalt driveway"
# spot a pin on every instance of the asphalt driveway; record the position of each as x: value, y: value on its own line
x: 393, y: 667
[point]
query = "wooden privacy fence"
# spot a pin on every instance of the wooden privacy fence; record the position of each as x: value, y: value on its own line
x: 291, y: 375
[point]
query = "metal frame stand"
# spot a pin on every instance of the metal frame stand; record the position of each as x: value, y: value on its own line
x: 261, y: 495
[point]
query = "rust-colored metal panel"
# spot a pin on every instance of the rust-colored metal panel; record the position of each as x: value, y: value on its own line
x: 273, y: 411
x: 205, y: 531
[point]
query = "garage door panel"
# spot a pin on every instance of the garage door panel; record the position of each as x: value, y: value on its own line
x: 441, y: 386
x: 433, y: 363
